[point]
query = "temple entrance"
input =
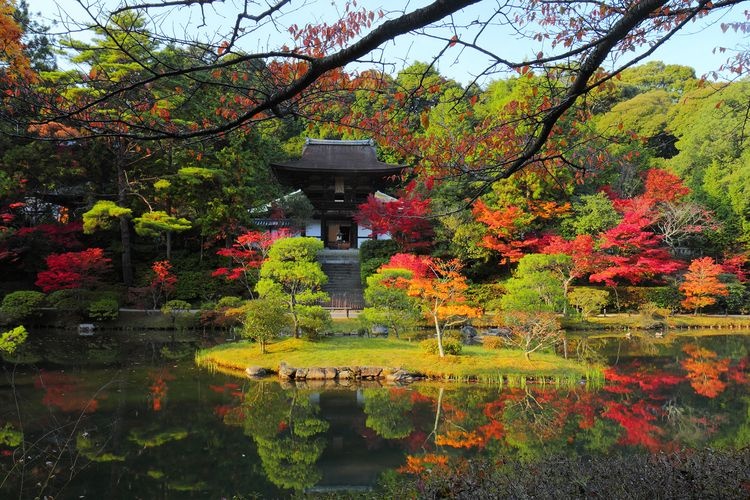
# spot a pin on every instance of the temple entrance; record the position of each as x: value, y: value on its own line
x: 341, y: 235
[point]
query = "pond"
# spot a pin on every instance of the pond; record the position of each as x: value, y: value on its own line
x: 104, y: 418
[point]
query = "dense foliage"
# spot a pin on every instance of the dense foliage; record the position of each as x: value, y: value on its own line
x: 636, y: 185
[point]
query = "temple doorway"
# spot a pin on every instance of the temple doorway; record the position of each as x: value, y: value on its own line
x: 340, y: 235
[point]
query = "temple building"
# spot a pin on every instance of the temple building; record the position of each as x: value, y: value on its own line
x: 337, y: 176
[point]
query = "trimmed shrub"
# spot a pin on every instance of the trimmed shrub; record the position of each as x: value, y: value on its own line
x: 104, y: 310
x: 373, y: 254
x: 179, y: 312
x: 313, y: 320
x: 20, y: 305
x: 493, y: 343
x: 381, y: 249
x: 229, y: 301
x: 450, y: 346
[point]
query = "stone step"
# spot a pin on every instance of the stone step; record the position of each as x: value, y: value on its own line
x: 344, y: 285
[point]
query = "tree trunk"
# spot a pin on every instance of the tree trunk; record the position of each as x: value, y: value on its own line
x: 127, y: 259
x: 169, y: 245
x: 295, y: 319
x: 439, y: 336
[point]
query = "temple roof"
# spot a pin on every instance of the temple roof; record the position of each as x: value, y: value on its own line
x: 334, y: 156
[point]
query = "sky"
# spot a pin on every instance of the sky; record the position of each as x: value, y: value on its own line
x: 696, y: 45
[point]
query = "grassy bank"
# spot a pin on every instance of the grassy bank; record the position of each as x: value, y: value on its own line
x: 474, y: 362
x: 676, y: 321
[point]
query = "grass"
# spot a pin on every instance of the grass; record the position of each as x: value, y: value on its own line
x: 474, y: 362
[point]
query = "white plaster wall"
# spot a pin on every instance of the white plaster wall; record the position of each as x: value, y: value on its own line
x: 312, y: 228
x: 364, y: 234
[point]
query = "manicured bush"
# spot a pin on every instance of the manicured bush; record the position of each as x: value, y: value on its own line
x: 70, y: 300
x: 382, y: 249
x: 179, y: 312
x: 104, y: 310
x: 493, y: 342
x: 229, y: 301
x: 313, y: 320
x: 20, y: 305
x: 450, y: 346
x: 631, y: 298
x: 369, y: 267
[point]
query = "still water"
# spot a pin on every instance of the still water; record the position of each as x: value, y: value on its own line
x: 128, y: 423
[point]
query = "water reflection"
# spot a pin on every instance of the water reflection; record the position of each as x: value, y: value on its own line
x: 164, y: 430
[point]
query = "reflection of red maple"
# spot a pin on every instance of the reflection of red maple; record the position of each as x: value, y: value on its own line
x: 158, y: 387
x: 65, y: 392
x: 650, y: 382
x: 636, y: 419
x: 704, y: 370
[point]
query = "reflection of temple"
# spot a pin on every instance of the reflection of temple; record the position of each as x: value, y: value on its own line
x: 355, y: 456
x: 337, y: 176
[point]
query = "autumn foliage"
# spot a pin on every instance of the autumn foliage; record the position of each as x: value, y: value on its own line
x: 417, y: 264
x: 247, y: 254
x: 705, y: 370
x: 702, y: 285
x: 163, y: 281
x: 405, y: 220
x: 442, y: 296
x: 508, y: 226
x: 12, y: 52
x: 73, y: 270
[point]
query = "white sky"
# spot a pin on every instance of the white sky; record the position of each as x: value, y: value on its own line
x: 694, y: 46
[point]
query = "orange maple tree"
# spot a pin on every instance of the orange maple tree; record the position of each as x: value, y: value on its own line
x: 702, y: 285
x: 12, y: 56
x: 442, y: 296
x: 508, y: 226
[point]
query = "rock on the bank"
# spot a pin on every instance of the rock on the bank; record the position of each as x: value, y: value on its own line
x: 255, y: 371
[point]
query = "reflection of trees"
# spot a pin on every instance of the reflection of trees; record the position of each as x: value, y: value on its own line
x: 586, y: 349
x: 534, y: 422
x: 286, y: 429
x: 388, y: 413
x: 158, y: 387
x: 66, y: 392
x: 705, y: 370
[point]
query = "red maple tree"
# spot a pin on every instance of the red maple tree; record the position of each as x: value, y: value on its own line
x: 632, y: 252
x: 405, y: 220
x: 163, y: 282
x: 247, y: 253
x: 73, y: 270
x: 418, y: 265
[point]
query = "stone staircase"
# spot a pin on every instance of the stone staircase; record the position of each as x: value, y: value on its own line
x: 344, y: 285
